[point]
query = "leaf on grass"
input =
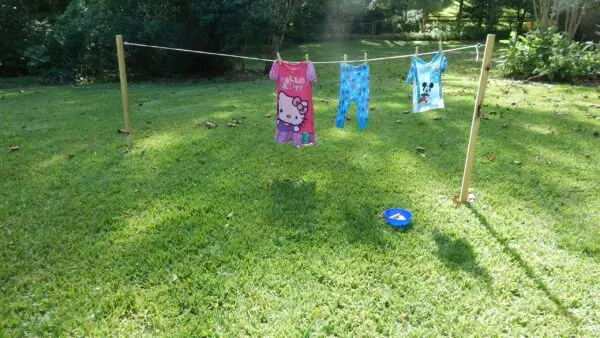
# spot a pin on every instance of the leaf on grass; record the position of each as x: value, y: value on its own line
x: 229, y: 215
x: 491, y: 157
x: 122, y: 131
x: 12, y: 148
x: 456, y: 200
x: 420, y: 150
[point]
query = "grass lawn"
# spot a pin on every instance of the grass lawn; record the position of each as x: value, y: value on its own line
x: 222, y: 232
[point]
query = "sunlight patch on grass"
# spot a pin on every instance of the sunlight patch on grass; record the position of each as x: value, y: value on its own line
x: 52, y: 161
x: 315, y: 45
x: 541, y: 129
x: 370, y: 43
x: 158, y: 141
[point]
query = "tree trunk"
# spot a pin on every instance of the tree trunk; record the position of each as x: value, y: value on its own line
x: 424, y: 20
x: 520, y: 17
x: 574, y: 14
x: 459, y: 15
x: 545, y: 13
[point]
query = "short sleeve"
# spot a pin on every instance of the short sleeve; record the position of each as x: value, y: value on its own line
x: 274, y: 73
x: 444, y: 64
x: 310, y: 72
x: 411, y: 72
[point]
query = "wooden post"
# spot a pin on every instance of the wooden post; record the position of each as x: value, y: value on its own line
x: 483, y: 78
x: 124, y: 93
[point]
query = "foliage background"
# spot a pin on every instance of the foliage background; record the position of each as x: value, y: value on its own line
x: 63, y: 41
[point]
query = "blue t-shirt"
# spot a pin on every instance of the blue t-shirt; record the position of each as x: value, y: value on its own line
x: 427, y: 82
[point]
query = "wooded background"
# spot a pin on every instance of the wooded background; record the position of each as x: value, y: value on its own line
x: 67, y: 40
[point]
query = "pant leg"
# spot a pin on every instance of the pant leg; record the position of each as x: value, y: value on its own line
x: 345, y: 99
x: 362, y: 100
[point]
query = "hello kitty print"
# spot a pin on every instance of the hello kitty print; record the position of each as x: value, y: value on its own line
x: 291, y: 111
x: 295, y: 112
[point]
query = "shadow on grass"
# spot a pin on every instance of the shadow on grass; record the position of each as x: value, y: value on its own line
x: 458, y: 254
x: 514, y: 255
x: 293, y: 203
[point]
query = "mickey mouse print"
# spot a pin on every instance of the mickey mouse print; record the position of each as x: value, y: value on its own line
x: 426, y: 78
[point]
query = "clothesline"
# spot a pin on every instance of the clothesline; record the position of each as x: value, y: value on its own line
x: 477, y: 46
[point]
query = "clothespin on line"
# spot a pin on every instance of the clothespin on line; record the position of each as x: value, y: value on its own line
x: 416, y: 50
x: 365, y: 58
x: 278, y: 56
x: 440, y: 46
x: 345, y: 58
x: 306, y: 56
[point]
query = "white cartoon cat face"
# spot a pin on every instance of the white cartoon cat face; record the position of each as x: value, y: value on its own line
x: 292, y: 110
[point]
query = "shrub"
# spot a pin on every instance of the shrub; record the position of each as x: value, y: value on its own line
x: 550, y: 56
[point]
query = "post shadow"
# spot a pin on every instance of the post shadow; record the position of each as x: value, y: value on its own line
x: 514, y: 255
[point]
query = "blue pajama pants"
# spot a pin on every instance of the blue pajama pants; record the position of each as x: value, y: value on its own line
x: 354, y: 86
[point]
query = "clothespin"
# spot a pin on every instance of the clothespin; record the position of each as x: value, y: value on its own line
x: 278, y: 57
x: 440, y: 46
x: 345, y: 58
x: 416, y: 50
x: 365, y: 58
x: 306, y: 56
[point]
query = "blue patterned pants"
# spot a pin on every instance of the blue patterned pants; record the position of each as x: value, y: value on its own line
x: 354, y: 86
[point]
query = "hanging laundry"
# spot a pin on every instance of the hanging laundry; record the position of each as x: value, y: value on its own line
x: 295, y: 112
x: 427, y: 82
x: 354, y: 86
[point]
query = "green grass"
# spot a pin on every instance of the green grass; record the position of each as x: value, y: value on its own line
x: 223, y: 232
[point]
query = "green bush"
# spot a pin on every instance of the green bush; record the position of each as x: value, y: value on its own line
x: 550, y: 56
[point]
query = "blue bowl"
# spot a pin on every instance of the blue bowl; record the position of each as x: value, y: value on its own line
x: 398, y: 218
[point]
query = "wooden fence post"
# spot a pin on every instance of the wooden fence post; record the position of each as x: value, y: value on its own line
x: 124, y: 92
x: 483, y: 79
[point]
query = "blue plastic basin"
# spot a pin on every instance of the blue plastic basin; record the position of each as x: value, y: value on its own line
x: 398, y: 218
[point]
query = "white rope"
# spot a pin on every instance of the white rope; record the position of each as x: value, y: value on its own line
x: 196, y: 51
x: 398, y: 56
x: 314, y: 62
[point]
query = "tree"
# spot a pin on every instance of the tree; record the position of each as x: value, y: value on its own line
x: 485, y: 12
x: 547, y: 13
x: 459, y: 14
x: 574, y: 12
x: 427, y: 7
x: 24, y: 25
